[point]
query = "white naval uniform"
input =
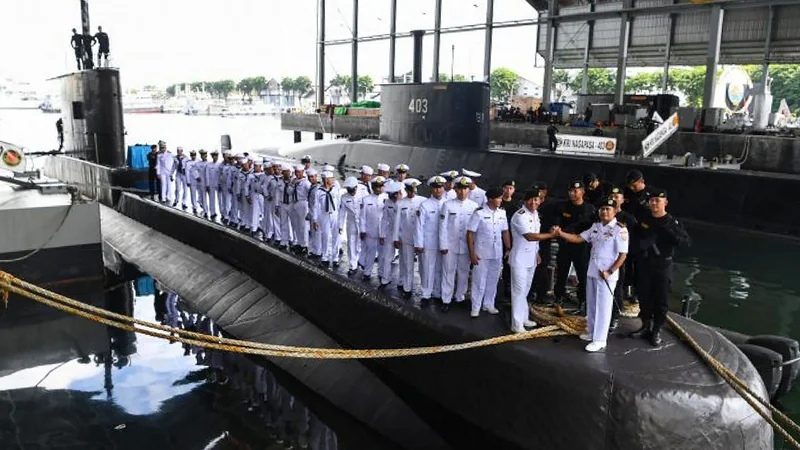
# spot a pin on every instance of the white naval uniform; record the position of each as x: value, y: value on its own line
x: 349, y: 212
x: 370, y: 223
x: 164, y: 167
x: 193, y: 173
x: 300, y: 210
x: 326, y: 214
x: 224, y: 194
x: 282, y: 194
x: 478, y: 196
x: 487, y: 244
x: 426, y: 236
x: 608, y: 241
x: 363, y: 189
x: 180, y: 180
x: 386, y: 232
x: 404, y: 229
x: 453, y: 220
x: 256, y: 199
x: 202, y: 195
x: 449, y: 195
x: 233, y: 179
x: 268, y: 221
x: 212, y: 187
x: 315, y: 238
x: 240, y: 189
x: 522, y: 261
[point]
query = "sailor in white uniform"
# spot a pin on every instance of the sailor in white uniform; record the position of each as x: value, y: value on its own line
x: 349, y: 212
x: 315, y: 238
x: 241, y: 191
x: 306, y: 162
x: 453, y: 220
x: 369, y: 222
x: 403, y: 235
x: 488, y: 241
x: 254, y: 196
x: 282, y: 194
x: 193, y: 169
x: 449, y: 176
x: 179, y: 171
x: 426, y: 242
x: 476, y: 194
x: 525, y: 236
x: 269, y: 219
x: 365, y: 182
x: 401, y: 174
x: 609, y: 240
x: 233, y: 180
x: 224, y: 194
x: 386, y: 232
x: 212, y: 185
x: 164, y: 167
x: 202, y: 195
x: 326, y: 219
x: 300, y: 209
x: 382, y: 170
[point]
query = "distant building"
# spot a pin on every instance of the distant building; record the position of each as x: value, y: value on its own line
x: 528, y: 88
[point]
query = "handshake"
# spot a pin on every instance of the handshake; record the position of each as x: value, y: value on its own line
x: 556, y: 231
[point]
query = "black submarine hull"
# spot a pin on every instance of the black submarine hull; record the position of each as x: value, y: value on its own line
x: 546, y: 393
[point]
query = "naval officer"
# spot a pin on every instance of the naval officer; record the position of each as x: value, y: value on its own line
x: 299, y: 209
x: 609, y: 240
x: 326, y: 219
x: 315, y: 238
x: 426, y: 242
x: 525, y: 236
x: 476, y: 194
x: 386, y: 232
x: 369, y: 222
x: 180, y: 179
x: 282, y: 193
x: 212, y: 184
x: 453, y: 220
x: 364, y: 183
x: 449, y: 176
x: 349, y: 212
x: 488, y: 242
x: 404, y: 229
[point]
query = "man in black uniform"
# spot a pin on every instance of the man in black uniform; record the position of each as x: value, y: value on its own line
x: 596, y: 190
x: 547, y: 216
x: 551, y: 137
x: 77, y: 44
x: 88, y: 42
x: 60, y: 130
x: 660, y: 235
x: 103, y: 48
x: 152, y: 178
x: 636, y: 204
x: 574, y: 216
x: 511, y: 206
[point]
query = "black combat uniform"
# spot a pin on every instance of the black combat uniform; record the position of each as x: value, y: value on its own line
x: 152, y: 177
x: 551, y: 137
x: 598, y: 194
x: 548, y: 211
x: 630, y: 222
x: 636, y: 205
x: 659, y: 237
x: 573, y: 219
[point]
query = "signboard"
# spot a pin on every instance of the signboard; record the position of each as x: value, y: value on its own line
x: 11, y: 157
x: 660, y: 135
x: 572, y: 144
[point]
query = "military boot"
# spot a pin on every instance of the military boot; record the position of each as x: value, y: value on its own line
x: 643, y: 332
x: 655, y: 335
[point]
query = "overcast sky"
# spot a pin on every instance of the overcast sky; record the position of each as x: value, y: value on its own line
x: 166, y: 41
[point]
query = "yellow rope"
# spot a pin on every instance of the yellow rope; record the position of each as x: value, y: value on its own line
x: 207, y: 341
x: 739, y: 386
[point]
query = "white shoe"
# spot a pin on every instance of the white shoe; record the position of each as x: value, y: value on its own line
x: 586, y: 337
x: 518, y: 330
x: 595, y: 346
x: 491, y: 310
x: 474, y: 314
x: 529, y: 323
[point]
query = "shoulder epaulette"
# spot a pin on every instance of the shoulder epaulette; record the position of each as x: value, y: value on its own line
x: 521, y: 211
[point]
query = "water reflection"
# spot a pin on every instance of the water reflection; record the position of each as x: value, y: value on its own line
x: 141, y: 392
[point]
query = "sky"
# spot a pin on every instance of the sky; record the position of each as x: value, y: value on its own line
x: 160, y: 42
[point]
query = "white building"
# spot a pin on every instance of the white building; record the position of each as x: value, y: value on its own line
x: 528, y: 88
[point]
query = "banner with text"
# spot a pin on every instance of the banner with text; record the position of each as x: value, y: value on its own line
x: 575, y: 144
x: 659, y: 135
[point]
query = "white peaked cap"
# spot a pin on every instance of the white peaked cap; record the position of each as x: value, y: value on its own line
x: 299, y: 167
x: 383, y: 167
x: 327, y: 174
x: 311, y: 172
x: 470, y: 173
x: 366, y: 170
x: 350, y: 182
x: 411, y: 182
x: 402, y: 166
x: 393, y: 187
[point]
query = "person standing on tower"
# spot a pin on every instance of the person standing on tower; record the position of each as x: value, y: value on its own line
x: 103, y: 48
x: 76, y: 41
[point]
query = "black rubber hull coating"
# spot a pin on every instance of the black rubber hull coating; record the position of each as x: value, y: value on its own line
x: 727, y: 198
x: 544, y: 394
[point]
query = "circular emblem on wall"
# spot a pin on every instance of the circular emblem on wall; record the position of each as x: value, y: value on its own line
x: 10, y: 157
x: 738, y: 89
x: 610, y: 146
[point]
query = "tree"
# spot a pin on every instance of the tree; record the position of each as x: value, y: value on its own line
x: 561, y: 82
x: 601, y: 81
x: 643, y: 83
x: 197, y: 86
x: 258, y: 84
x: 302, y: 85
x: 785, y: 84
x: 503, y: 83
x: 340, y: 81
x: 287, y: 86
x: 365, y: 85
x: 223, y: 87
x: 690, y: 82
x: 459, y: 77
x: 171, y: 90
x: 445, y: 78
x: 245, y: 86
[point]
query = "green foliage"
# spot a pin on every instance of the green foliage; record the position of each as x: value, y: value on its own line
x: 459, y: 77
x: 601, y: 81
x: 340, y: 81
x: 171, y: 90
x: 287, y: 85
x: 302, y: 85
x: 690, y: 82
x: 365, y: 84
x: 561, y: 82
x: 197, y: 86
x: 785, y: 84
x: 444, y: 78
x: 503, y: 83
x: 258, y: 84
x: 643, y: 83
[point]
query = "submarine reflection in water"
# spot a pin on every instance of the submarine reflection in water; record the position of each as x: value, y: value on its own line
x: 112, y: 388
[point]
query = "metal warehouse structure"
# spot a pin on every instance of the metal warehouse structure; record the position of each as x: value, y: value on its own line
x: 621, y: 33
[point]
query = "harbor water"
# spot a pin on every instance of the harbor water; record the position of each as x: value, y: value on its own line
x: 740, y: 281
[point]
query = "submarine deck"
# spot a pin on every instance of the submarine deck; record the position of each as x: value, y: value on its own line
x: 631, y: 396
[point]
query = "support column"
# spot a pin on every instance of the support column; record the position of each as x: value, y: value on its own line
x: 586, y: 50
x: 354, y: 57
x: 668, y: 52
x: 487, y: 50
x: 712, y: 59
x: 85, y: 29
x: 767, y: 47
x: 437, y: 34
x: 320, y: 54
x: 392, y: 38
x: 622, y: 53
x: 550, y: 46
